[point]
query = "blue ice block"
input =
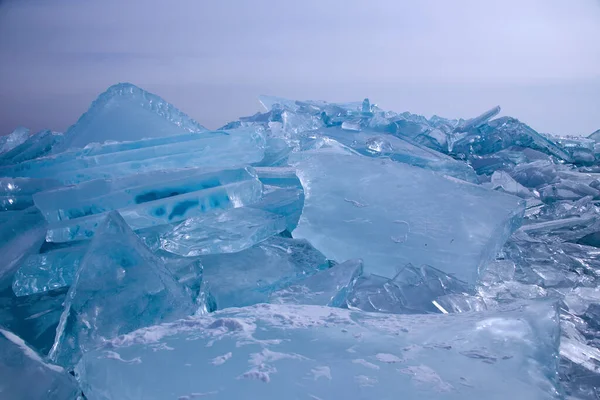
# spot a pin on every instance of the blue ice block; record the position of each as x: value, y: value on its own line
x: 37, y: 145
x: 391, y: 214
x: 98, y: 196
x: 249, y: 276
x: 24, y: 375
x: 13, y: 139
x: 164, y: 210
x: 226, y: 231
x: 120, y: 286
x: 329, y: 287
x: 316, y: 352
x: 124, y: 112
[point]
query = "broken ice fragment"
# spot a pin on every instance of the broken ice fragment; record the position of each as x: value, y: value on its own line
x: 24, y: 375
x: 449, y: 224
x: 37, y: 145
x: 329, y: 287
x: 478, y: 121
x: 228, y: 231
x: 12, y: 140
x: 164, y: 210
x: 249, y: 276
x: 502, y: 180
x: 119, y: 287
x: 423, y: 357
x: 124, y: 112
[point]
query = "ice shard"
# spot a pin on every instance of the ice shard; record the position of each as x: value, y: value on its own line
x: 479, y: 120
x: 37, y: 145
x: 17, y: 194
x: 120, y: 286
x: 12, y: 140
x: 124, y: 112
x: 392, y: 214
x: 24, y: 375
x: 165, y: 209
x: 222, y: 232
x: 249, y: 276
x: 329, y: 287
x: 320, y: 352
x: 214, y: 151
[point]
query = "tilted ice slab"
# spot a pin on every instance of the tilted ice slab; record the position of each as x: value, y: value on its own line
x: 214, y: 150
x: 239, y: 190
x: 392, y: 214
x: 24, y: 375
x: 37, y: 145
x: 315, y: 352
x: 98, y: 196
x: 124, y: 112
x: 12, y: 140
x: 120, y: 286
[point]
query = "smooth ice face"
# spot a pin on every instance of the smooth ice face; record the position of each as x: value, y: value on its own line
x: 127, y: 113
x: 120, y: 287
x: 24, y: 375
x: 222, y: 232
x: 392, y: 214
x: 274, y: 351
x: 329, y: 287
x: 249, y: 276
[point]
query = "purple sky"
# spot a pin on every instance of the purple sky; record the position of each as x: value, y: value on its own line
x: 538, y: 59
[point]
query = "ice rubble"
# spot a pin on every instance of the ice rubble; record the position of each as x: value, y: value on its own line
x: 330, y: 238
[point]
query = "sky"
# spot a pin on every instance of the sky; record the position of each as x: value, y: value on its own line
x: 538, y: 59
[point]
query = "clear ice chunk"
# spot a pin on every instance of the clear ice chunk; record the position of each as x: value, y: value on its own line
x: 248, y: 277
x: 166, y: 210
x: 16, y: 194
x: 266, y: 351
x: 12, y: 140
x: 412, y: 291
x: 120, y: 287
x: 228, y: 231
x: 501, y: 180
x: 124, y: 112
x: 25, y: 375
x: 392, y: 214
x: 329, y: 287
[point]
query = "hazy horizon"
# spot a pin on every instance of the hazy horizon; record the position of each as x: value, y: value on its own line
x: 537, y: 59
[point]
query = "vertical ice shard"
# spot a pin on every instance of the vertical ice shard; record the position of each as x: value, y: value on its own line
x: 24, y: 375
x: 228, y: 231
x: 127, y: 113
x: 392, y: 214
x: 315, y: 352
x: 329, y: 287
x: 249, y: 276
x: 120, y: 287
x: 12, y: 140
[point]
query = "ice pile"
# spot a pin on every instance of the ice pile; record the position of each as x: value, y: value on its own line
x: 315, y: 250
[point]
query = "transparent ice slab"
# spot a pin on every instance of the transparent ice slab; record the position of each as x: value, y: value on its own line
x: 13, y: 139
x: 287, y: 351
x: 392, y: 214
